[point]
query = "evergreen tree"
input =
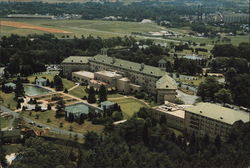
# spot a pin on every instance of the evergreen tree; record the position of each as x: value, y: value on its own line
x: 58, y: 83
x: 102, y: 94
x: 91, y: 96
x: 19, y: 91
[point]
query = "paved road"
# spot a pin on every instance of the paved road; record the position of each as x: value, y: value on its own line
x: 188, y: 99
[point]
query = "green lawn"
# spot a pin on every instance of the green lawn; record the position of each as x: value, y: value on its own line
x: 66, y: 83
x: 193, y: 82
x: 8, y: 100
x: 129, y: 106
x: 55, y: 122
x: 3, y: 122
x: 79, y: 92
x: 114, y: 95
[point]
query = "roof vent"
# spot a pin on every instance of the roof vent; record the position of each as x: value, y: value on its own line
x: 80, y: 60
x: 142, y: 66
x: 113, y: 60
x: 151, y: 72
x: 200, y: 111
x: 72, y: 61
x: 221, y: 118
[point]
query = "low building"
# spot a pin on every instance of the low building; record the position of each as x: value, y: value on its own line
x: 41, y: 82
x: 82, y: 76
x: 212, y: 119
x: 10, y: 85
x: 74, y: 63
x: 175, y: 114
x: 107, y: 105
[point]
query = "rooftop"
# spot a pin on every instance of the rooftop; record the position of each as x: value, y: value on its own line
x: 219, y: 113
x: 10, y: 84
x: 41, y: 80
x: 107, y: 103
x: 166, y: 82
x: 128, y: 65
x: 108, y: 73
x: 85, y: 73
x: 174, y: 112
x: 124, y: 79
x: 76, y: 59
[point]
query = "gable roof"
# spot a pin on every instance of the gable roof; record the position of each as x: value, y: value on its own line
x: 166, y: 82
x: 128, y: 65
x: 162, y: 61
x: 76, y: 59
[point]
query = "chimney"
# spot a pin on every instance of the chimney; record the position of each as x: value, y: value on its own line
x: 142, y: 66
x: 113, y: 60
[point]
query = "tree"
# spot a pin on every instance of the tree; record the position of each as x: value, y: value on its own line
x: 102, y: 94
x: 19, y: 91
x: 58, y: 83
x: 207, y: 89
x: 91, y: 96
x: 61, y: 124
x: 91, y: 139
x: 60, y: 112
x: 223, y: 96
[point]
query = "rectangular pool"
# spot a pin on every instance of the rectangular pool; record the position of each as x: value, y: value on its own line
x: 31, y: 90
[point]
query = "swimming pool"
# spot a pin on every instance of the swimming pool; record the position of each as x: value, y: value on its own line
x: 31, y: 90
x: 77, y: 109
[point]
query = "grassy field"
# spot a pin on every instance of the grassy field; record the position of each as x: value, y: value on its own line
x: 129, y: 106
x: 79, y: 92
x: 3, y: 122
x: 55, y: 122
x: 8, y: 100
x: 83, y: 27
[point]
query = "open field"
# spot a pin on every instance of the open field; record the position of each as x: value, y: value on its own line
x: 100, y: 28
x: 55, y: 122
x: 129, y: 106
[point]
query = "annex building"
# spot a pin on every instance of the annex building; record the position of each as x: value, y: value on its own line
x: 212, y: 119
x: 125, y: 76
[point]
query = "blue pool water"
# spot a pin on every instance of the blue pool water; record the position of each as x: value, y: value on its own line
x: 32, y: 90
x: 77, y: 108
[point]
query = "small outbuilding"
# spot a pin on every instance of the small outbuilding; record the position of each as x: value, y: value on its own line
x: 41, y: 82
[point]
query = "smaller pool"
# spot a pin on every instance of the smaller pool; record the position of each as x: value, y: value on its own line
x: 77, y: 109
x: 31, y: 90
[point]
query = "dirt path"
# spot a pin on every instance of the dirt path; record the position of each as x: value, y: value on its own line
x: 74, y: 87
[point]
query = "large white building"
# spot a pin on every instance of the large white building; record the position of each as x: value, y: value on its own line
x: 212, y: 119
x: 132, y: 76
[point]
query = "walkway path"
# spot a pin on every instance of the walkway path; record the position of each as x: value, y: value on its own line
x: 131, y: 97
x: 74, y: 87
